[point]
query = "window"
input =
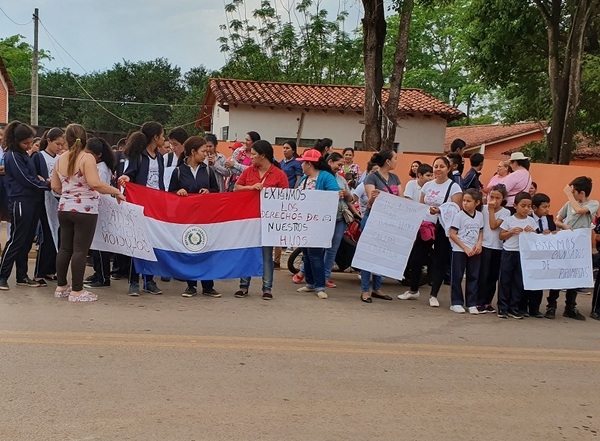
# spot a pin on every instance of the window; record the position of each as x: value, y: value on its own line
x: 304, y: 142
x: 225, y: 133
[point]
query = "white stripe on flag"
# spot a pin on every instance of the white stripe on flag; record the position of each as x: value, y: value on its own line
x: 220, y: 236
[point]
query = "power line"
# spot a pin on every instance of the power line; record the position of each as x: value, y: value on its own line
x: 52, y: 40
x: 18, y: 24
x: 137, y: 103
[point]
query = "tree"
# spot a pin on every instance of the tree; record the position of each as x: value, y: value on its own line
x: 304, y: 47
x: 374, y: 31
x: 17, y: 56
x: 438, y: 55
x: 195, y: 83
x: 155, y: 83
x: 401, y: 53
x: 521, y: 43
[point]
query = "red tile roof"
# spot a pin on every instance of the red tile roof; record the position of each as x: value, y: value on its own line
x: 322, y: 96
x: 4, y: 72
x: 587, y: 148
x: 474, y: 136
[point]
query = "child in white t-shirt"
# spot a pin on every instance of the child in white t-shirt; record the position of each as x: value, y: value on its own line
x: 494, y: 214
x: 511, y: 288
x: 466, y: 236
x: 413, y: 188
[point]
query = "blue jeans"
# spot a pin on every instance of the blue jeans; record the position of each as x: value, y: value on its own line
x: 314, y: 268
x: 330, y: 253
x: 267, y: 278
x: 365, y: 276
x: 365, y: 281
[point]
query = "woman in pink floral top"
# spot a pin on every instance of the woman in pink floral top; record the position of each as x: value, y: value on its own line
x: 76, y: 179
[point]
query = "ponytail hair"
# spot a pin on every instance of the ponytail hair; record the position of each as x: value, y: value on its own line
x: 192, y: 144
x: 379, y: 158
x: 50, y: 135
x: 15, y: 133
x: 323, y: 144
x: 263, y: 147
x: 99, y: 147
x: 138, y: 141
x: 76, y: 138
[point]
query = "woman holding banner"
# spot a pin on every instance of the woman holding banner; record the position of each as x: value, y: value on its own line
x: 145, y: 167
x: 435, y: 193
x: 76, y: 179
x: 193, y: 176
x: 381, y: 180
x: 263, y: 172
x: 317, y: 176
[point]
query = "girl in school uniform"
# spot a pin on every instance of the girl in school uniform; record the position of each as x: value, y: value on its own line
x: 494, y: 213
x: 192, y: 175
x: 466, y: 234
x: 51, y: 146
x: 24, y: 190
x: 145, y: 166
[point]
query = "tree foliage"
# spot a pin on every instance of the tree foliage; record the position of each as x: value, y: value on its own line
x: 300, y: 44
x: 139, y: 91
x: 534, y: 53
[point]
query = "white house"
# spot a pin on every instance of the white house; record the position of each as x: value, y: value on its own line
x: 280, y: 111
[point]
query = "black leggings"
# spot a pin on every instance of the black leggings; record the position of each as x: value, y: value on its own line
x: 76, y: 235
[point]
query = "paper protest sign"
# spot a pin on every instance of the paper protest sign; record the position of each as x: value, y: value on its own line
x: 298, y: 218
x: 556, y: 261
x: 121, y: 229
x: 388, y: 237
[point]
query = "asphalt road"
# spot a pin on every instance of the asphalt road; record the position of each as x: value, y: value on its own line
x: 295, y: 368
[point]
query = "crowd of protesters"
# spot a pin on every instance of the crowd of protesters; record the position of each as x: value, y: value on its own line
x: 50, y: 187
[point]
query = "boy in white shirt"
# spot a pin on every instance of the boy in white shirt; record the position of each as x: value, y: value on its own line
x: 511, y: 288
x: 413, y: 188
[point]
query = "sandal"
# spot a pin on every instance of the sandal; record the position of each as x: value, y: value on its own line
x: 241, y: 294
x: 62, y: 293
x: 85, y: 296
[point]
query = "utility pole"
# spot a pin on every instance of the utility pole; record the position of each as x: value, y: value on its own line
x: 34, y: 71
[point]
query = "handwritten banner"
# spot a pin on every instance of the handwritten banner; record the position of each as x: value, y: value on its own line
x: 556, y: 261
x: 121, y: 229
x: 388, y: 237
x: 298, y: 218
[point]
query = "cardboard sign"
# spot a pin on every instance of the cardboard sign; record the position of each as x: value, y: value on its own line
x: 556, y: 261
x: 121, y: 229
x: 292, y: 217
x: 387, y: 240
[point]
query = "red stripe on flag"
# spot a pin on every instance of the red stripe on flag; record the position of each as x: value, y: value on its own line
x: 195, y: 209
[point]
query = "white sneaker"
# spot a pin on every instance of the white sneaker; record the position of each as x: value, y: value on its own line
x: 433, y: 302
x: 321, y: 294
x: 458, y: 309
x: 473, y: 310
x: 305, y: 289
x: 409, y: 295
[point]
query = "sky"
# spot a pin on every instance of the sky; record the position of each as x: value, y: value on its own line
x: 98, y: 34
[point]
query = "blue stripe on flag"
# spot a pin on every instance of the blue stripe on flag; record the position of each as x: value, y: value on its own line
x: 213, y: 265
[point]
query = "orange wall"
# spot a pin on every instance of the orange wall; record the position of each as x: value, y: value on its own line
x: 494, y: 151
x: 551, y: 179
